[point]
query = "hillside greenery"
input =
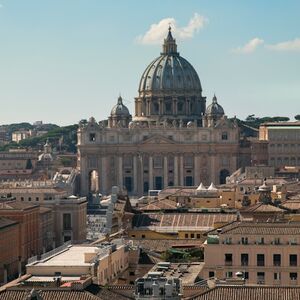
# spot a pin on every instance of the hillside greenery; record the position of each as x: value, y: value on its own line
x: 63, y: 139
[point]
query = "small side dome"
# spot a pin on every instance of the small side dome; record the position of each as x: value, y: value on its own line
x: 215, y: 109
x: 120, y: 109
x: 264, y: 188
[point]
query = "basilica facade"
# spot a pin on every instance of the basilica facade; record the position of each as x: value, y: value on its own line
x: 173, y: 138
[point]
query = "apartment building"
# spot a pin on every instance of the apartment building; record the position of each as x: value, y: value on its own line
x: 264, y: 252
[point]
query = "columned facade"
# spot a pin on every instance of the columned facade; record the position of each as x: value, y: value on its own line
x: 172, y: 140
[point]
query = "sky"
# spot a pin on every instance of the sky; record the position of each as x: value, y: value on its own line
x: 62, y: 61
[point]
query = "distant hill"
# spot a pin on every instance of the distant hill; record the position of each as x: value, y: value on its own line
x: 64, y: 139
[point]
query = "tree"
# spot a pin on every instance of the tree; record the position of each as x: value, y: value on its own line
x: 297, y: 117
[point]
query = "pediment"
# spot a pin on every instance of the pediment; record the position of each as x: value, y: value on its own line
x: 158, y: 139
x: 225, y: 123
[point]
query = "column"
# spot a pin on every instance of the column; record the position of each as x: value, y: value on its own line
x: 140, y: 169
x: 160, y: 100
x: 148, y: 111
x: 176, y: 183
x: 104, y: 173
x: 135, y: 174
x: 120, y: 172
x: 213, y: 169
x: 174, y: 105
x: 187, y: 106
x: 150, y: 172
x: 196, y: 169
x: 181, y: 179
x: 136, y: 107
x: 165, y: 171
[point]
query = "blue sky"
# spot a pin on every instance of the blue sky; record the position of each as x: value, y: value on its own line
x: 62, y: 60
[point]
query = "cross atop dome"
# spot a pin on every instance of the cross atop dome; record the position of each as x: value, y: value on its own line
x: 169, y: 45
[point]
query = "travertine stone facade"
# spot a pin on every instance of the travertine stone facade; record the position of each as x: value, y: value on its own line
x: 173, y: 139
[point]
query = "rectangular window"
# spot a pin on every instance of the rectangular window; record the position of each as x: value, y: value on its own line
x: 228, y: 259
x: 128, y: 184
x: 157, y: 162
x: 188, y: 181
x: 67, y: 225
x: 276, y: 260
x: 198, y: 235
x: 224, y: 136
x: 211, y: 274
x: 158, y: 182
x: 246, y: 275
x: 192, y: 235
x: 146, y: 186
x: 260, y: 260
x: 277, y: 276
x: 228, y: 240
x: 277, y: 241
x: 244, y: 240
x: 128, y: 162
x: 244, y: 259
x: 293, y: 260
x: 229, y: 274
x: 293, y: 276
x: 261, y: 241
x: 260, y: 277
x: 186, y: 236
x: 188, y: 161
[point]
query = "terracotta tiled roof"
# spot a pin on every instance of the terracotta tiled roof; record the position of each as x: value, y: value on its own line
x: 160, y: 205
x: 262, y: 208
x: 4, y: 222
x: 250, y: 293
x: 112, y: 292
x: 291, y: 204
x: 14, y: 205
x: 44, y: 210
x: 201, y: 220
x: 22, y: 294
x: 262, y: 228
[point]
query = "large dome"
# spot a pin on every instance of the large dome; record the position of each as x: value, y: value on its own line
x: 169, y: 71
x: 170, y: 88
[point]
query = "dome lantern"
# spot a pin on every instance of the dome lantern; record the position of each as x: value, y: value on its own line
x: 169, y: 45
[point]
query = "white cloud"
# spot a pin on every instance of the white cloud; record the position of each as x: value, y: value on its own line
x: 157, y: 32
x: 249, y: 47
x: 293, y: 45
